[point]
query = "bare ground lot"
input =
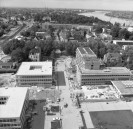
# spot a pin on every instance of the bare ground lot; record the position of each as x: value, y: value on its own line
x: 7, y: 80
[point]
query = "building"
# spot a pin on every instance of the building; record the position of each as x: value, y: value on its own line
x: 102, y: 76
x: 35, y: 54
x: 124, y: 88
x: 130, y: 29
x: 35, y: 74
x: 123, y: 43
x: 106, y: 37
x: 87, y: 59
x: 112, y: 57
x: 90, y: 70
x: 13, y: 104
x: 8, y: 65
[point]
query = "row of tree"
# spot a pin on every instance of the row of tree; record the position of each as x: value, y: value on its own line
x: 19, y: 50
x: 120, y: 33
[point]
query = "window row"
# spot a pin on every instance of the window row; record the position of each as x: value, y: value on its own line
x: 8, y: 120
x: 34, y: 84
x: 103, y: 75
x: 36, y: 80
x: 9, y: 125
x: 49, y: 76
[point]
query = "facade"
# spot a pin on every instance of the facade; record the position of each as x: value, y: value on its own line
x: 90, y: 71
x: 13, y: 104
x: 35, y: 74
x: 8, y: 65
x: 94, y: 77
x: 35, y: 54
x: 87, y: 59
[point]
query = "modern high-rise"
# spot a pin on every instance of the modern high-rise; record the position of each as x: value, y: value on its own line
x: 13, y: 104
x: 35, y: 74
x: 91, y: 72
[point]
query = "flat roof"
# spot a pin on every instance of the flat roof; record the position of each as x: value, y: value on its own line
x: 107, y: 71
x: 35, y: 68
x: 123, y: 41
x: 13, y: 107
x: 86, y: 51
x: 112, y: 119
x: 124, y: 87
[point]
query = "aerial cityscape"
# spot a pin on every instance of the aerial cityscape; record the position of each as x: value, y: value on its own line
x: 66, y: 64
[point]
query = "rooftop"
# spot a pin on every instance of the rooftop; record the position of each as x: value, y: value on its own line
x: 123, y: 41
x: 124, y: 87
x: 35, y: 68
x: 14, y: 103
x: 86, y: 51
x: 107, y: 71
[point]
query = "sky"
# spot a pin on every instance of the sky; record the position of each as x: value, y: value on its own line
x: 82, y: 4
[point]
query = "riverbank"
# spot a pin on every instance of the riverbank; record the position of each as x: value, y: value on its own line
x: 121, y: 14
x: 102, y: 15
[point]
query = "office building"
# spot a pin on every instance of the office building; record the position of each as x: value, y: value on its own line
x: 35, y: 74
x: 91, y: 72
x: 13, y: 104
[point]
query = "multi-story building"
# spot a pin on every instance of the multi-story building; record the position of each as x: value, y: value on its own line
x: 35, y: 74
x: 35, y: 54
x: 90, y: 72
x: 13, y: 104
x: 104, y: 76
x: 87, y: 59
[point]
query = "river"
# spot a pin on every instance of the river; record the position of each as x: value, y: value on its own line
x: 101, y: 15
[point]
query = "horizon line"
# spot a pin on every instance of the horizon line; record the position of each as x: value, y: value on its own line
x: 64, y: 8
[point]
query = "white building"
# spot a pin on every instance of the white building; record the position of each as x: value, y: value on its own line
x: 102, y: 76
x: 90, y: 70
x: 13, y: 103
x: 35, y: 74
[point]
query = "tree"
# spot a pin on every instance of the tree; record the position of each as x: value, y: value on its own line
x: 6, y: 48
x: 115, y: 30
x: 131, y: 37
x: 98, y: 29
x: 113, y: 48
x: 18, y: 55
x: 1, y: 32
x: 124, y: 34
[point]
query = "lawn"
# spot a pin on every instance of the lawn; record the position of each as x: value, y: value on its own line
x: 120, y: 119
